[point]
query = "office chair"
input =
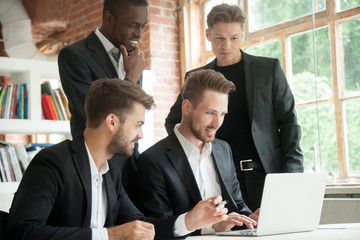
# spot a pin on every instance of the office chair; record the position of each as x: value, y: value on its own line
x: 3, y: 222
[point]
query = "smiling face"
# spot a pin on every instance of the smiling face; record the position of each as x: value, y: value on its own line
x: 129, y: 132
x: 127, y: 27
x: 225, y: 41
x: 207, y: 117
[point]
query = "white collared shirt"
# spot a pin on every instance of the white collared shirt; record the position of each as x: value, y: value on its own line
x: 202, y: 165
x: 98, y: 199
x: 109, y: 47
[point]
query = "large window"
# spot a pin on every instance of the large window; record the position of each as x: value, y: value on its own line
x: 318, y: 45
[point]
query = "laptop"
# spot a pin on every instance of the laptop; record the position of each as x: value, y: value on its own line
x: 291, y: 202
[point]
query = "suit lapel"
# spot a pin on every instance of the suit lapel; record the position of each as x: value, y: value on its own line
x: 218, y: 155
x: 179, y: 160
x: 249, y: 68
x: 101, y: 56
x: 81, y: 162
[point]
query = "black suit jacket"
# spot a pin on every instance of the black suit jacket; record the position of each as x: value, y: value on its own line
x: 272, y: 115
x: 166, y: 184
x: 53, y: 200
x: 79, y: 65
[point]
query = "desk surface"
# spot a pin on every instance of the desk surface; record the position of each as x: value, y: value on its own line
x: 325, y: 232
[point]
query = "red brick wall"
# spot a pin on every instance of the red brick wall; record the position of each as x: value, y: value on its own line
x: 160, y: 45
x: 164, y: 58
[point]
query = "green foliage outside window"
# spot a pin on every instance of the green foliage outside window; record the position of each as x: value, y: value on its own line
x: 272, y: 49
x: 270, y: 12
x: 346, y: 4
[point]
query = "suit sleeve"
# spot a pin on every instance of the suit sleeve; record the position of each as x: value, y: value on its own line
x: 128, y: 212
x: 174, y: 115
x: 286, y: 119
x: 154, y: 200
x: 76, y: 79
x: 33, y: 203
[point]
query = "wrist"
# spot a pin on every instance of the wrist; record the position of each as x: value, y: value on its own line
x: 188, y: 222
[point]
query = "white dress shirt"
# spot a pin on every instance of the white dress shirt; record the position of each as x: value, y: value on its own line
x: 202, y: 165
x: 98, y: 199
x: 110, y: 48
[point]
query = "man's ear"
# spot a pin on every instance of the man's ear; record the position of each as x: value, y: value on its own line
x: 112, y: 122
x: 186, y: 107
x: 108, y: 17
x: 207, y: 33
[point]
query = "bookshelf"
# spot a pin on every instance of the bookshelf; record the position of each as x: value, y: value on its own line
x: 31, y: 72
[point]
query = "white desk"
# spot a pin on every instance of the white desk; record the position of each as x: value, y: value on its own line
x: 331, y: 232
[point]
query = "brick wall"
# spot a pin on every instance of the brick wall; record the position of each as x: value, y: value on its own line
x: 160, y: 45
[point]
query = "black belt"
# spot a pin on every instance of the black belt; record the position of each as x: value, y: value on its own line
x: 249, y: 164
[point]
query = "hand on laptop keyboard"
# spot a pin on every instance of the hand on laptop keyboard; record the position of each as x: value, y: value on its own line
x: 234, y: 219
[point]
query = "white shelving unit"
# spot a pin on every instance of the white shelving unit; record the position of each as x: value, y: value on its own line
x: 31, y: 72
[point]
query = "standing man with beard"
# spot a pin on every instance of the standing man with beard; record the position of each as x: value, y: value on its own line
x: 111, y: 51
x: 190, y: 164
x: 261, y: 126
x: 72, y: 191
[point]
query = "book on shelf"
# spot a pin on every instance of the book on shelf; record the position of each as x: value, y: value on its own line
x: 46, y: 89
x: 2, y: 97
x: 48, y: 107
x: 14, y: 159
x: 61, y: 104
x: 12, y: 101
x: 58, y: 100
x: 7, y: 106
x: 65, y: 102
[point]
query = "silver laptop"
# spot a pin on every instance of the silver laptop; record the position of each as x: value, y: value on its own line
x: 291, y: 202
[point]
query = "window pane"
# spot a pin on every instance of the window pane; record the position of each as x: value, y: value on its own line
x: 318, y: 135
x: 304, y: 86
x: 351, y: 42
x: 346, y: 4
x: 353, y: 134
x: 208, y: 6
x: 268, y: 50
x: 263, y: 14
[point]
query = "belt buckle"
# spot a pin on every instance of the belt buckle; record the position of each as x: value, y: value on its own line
x: 245, y: 169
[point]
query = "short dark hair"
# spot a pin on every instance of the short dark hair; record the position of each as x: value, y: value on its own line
x: 207, y: 79
x: 113, y: 5
x: 227, y: 14
x: 115, y: 96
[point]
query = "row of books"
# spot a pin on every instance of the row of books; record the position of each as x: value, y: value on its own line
x: 14, y: 159
x: 54, y: 103
x: 13, y: 101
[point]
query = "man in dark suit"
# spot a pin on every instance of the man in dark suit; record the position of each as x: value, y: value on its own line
x: 71, y: 191
x: 261, y: 126
x: 104, y: 54
x: 190, y: 164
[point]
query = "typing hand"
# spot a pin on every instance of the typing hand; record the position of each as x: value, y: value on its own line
x: 206, y: 213
x: 132, y: 231
x: 134, y: 64
x: 255, y: 215
x: 234, y: 219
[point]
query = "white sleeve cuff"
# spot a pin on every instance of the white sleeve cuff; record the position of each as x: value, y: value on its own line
x: 180, y: 228
x: 99, y: 234
x: 207, y: 231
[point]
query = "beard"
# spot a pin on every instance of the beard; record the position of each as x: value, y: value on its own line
x: 201, y: 135
x: 120, y: 145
